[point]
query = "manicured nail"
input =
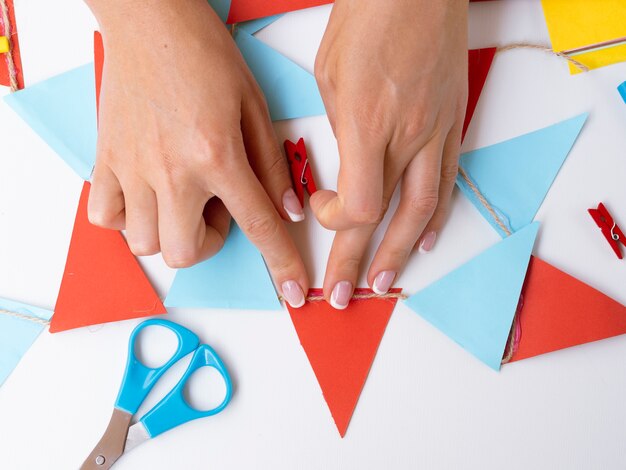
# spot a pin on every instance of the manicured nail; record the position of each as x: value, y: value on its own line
x: 427, y: 243
x: 293, y: 294
x: 383, y: 281
x: 292, y: 206
x: 340, y: 297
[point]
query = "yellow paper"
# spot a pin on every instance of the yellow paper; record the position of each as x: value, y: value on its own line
x: 579, y: 23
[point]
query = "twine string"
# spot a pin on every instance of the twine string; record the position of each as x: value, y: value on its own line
x: 527, y: 45
x: 369, y: 295
x: 22, y: 316
x: 6, y: 24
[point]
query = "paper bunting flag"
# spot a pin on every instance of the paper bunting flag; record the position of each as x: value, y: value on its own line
x: 15, y: 52
x: 103, y: 281
x: 236, y: 277
x: 578, y: 23
x: 255, y: 26
x: 18, y: 332
x: 62, y: 110
x: 479, y: 63
x: 341, y: 346
x: 244, y: 10
x: 515, y: 175
x: 559, y: 311
x: 475, y: 304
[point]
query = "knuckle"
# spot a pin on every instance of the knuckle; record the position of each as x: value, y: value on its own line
x: 424, y: 204
x: 366, y: 216
x: 261, y: 228
x: 143, y: 247
x: 415, y: 127
x: 101, y: 218
x: 449, y: 172
x: 181, y: 259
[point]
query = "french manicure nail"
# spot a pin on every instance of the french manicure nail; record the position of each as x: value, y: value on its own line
x: 383, y: 281
x: 293, y: 294
x: 340, y: 297
x: 427, y: 243
x: 292, y: 206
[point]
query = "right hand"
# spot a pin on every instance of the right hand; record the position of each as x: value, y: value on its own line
x: 185, y: 140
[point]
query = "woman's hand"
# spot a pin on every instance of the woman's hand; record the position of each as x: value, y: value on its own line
x: 393, y: 76
x: 185, y: 140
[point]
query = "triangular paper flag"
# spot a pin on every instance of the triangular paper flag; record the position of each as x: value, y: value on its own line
x: 290, y: 91
x: 244, y: 10
x: 15, y: 52
x: 479, y: 63
x: 103, y: 281
x: 515, y: 175
x: 236, y: 277
x: 18, y: 332
x: 475, y: 304
x: 341, y: 346
x: 62, y: 110
x: 559, y: 311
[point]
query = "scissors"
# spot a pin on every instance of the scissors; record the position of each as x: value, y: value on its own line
x: 170, y: 412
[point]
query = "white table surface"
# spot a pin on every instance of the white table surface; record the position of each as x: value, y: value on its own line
x: 427, y: 403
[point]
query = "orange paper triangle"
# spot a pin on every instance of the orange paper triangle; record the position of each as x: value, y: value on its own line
x: 559, y: 311
x: 341, y: 346
x: 103, y: 281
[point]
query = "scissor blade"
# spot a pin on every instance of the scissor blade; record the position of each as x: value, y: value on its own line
x: 111, y: 445
x: 137, y: 434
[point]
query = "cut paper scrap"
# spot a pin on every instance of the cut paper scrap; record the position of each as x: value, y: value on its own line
x: 515, y: 175
x: 236, y: 277
x: 577, y: 23
x: 475, y: 304
x: 62, y: 111
x: 18, y: 333
x: 15, y: 52
x: 290, y: 91
x: 244, y: 10
x: 559, y: 311
x: 479, y: 63
x: 103, y: 281
x: 341, y: 346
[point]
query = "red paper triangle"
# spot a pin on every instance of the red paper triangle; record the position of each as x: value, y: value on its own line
x: 15, y: 52
x: 341, y: 346
x: 98, y: 62
x: 479, y: 63
x: 103, y: 281
x: 559, y: 311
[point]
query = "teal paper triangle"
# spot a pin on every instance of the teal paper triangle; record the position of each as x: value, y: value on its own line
x: 475, y: 304
x: 290, y: 91
x: 515, y: 175
x: 62, y: 110
x: 236, y: 277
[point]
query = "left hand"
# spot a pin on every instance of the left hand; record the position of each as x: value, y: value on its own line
x: 393, y: 76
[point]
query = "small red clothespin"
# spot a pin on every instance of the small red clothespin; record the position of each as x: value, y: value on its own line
x: 300, y: 167
x: 610, y: 230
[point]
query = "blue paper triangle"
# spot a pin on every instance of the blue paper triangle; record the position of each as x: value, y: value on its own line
x: 515, y: 175
x: 62, y: 110
x: 17, y: 334
x: 236, y: 277
x: 475, y: 304
x: 290, y: 91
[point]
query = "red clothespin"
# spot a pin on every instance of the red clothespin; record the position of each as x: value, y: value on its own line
x: 300, y: 167
x: 610, y: 230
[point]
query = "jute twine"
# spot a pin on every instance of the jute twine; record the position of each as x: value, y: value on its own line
x: 22, y: 316
x: 369, y: 295
x: 6, y: 27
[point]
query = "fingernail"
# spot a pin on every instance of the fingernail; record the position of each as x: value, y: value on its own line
x: 292, y: 206
x: 340, y: 297
x: 383, y: 281
x: 427, y: 243
x: 293, y: 294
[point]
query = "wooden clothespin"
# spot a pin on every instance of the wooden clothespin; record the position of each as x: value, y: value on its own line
x: 300, y: 168
x: 609, y: 228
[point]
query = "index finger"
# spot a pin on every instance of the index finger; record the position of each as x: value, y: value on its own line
x: 253, y: 210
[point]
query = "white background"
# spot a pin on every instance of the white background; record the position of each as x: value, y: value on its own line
x: 427, y: 403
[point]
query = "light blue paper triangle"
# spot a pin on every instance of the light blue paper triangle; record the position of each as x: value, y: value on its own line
x: 290, y: 91
x: 62, y: 110
x: 515, y: 175
x: 236, y: 277
x: 17, y: 334
x: 254, y: 26
x: 475, y: 304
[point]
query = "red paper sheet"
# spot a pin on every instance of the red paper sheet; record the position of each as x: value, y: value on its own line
x: 479, y: 63
x: 98, y: 61
x: 15, y: 43
x: 559, y: 311
x: 102, y: 281
x: 341, y: 346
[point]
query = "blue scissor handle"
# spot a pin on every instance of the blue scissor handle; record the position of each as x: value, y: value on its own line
x: 173, y: 410
x: 138, y: 379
